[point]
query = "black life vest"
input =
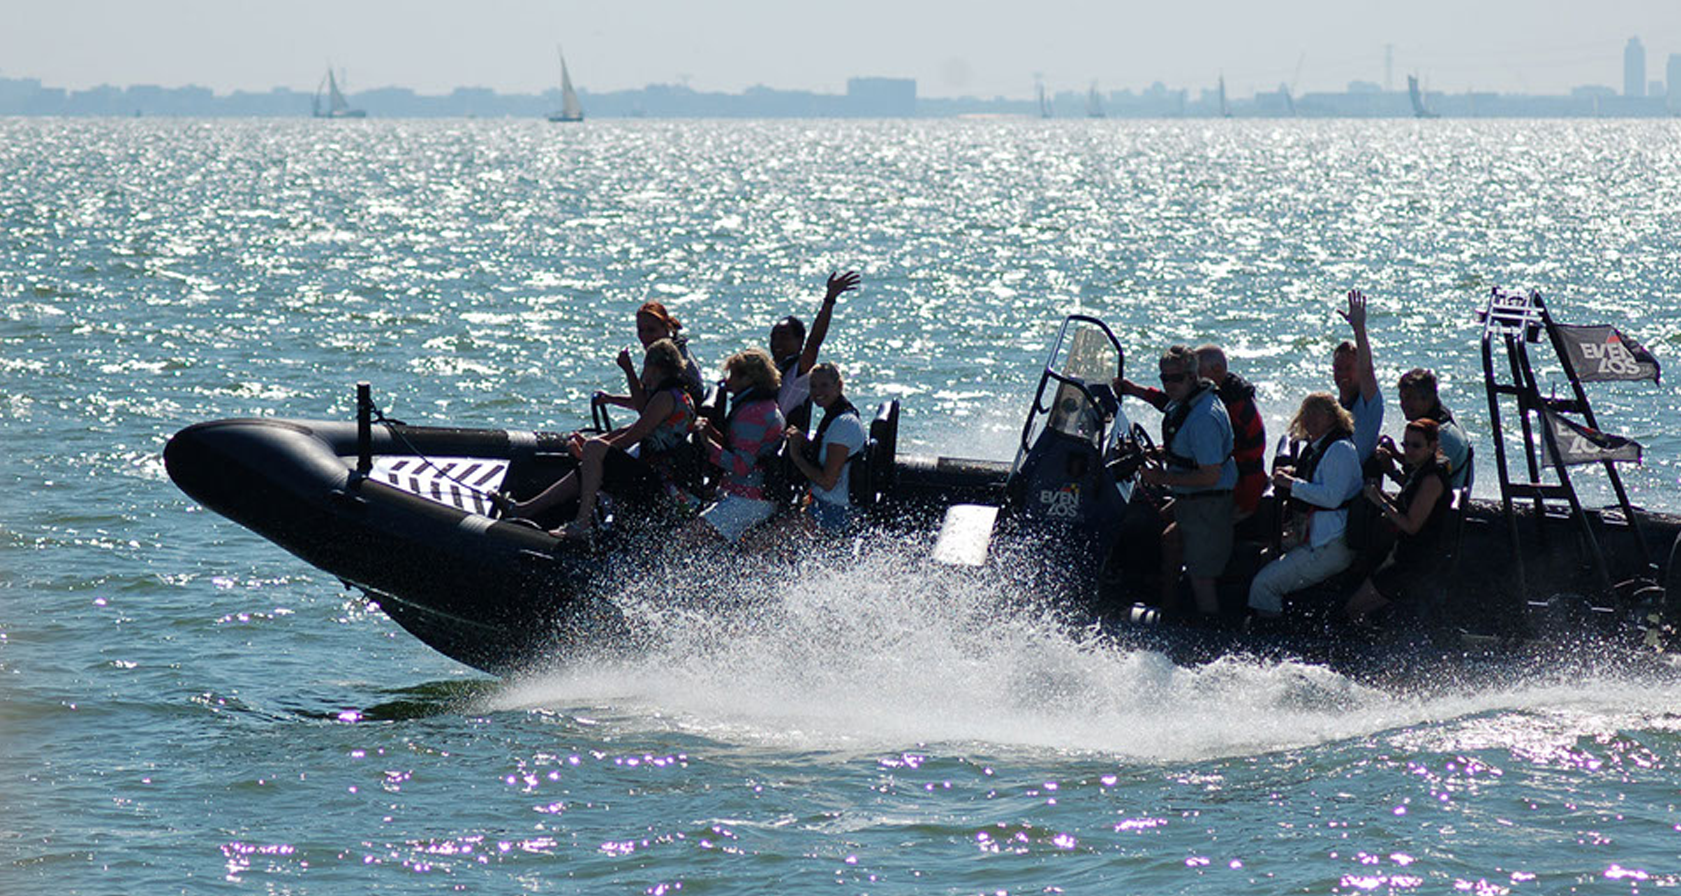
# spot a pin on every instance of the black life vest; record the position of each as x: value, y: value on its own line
x: 1174, y: 420
x: 1426, y: 540
x: 814, y: 445
x: 1308, y: 464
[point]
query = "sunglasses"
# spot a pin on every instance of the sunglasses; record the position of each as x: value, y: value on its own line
x: 1175, y: 377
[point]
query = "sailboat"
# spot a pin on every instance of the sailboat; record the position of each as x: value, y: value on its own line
x: 1094, y: 103
x: 336, y: 106
x: 1044, y: 103
x: 1417, y: 96
x: 570, y: 108
x: 1225, y: 110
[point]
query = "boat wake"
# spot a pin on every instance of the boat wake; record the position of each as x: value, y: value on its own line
x: 878, y: 651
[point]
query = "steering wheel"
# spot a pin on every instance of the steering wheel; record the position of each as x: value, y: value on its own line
x: 1141, y: 437
x: 1127, y: 456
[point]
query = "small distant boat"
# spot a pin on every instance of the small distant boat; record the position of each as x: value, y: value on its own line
x: 1225, y: 110
x: 570, y: 108
x: 1094, y: 102
x: 1044, y: 103
x: 1417, y: 97
x: 336, y: 106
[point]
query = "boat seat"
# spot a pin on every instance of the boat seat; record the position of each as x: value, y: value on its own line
x: 460, y: 482
x: 872, y: 472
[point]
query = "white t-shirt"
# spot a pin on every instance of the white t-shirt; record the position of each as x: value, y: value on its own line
x: 796, y: 388
x: 848, y: 430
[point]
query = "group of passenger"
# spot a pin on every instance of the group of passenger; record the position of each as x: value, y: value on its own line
x: 1212, y: 449
x: 654, y: 465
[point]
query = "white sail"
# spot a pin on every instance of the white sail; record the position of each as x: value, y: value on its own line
x: 570, y: 108
x: 1094, y: 103
x: 1225, y: 110
x: 336, y: 106
x: 336, y: 103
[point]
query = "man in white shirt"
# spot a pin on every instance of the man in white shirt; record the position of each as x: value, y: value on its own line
x: 795, y: 353
x: 826, y: 458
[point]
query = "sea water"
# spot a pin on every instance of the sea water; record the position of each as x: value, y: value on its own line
x: 185, y: 707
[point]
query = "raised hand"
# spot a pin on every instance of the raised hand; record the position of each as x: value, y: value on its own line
x: 839, y: 283
x: 1356, y: 313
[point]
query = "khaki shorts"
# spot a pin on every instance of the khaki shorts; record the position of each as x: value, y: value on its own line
x: 1205, y: 525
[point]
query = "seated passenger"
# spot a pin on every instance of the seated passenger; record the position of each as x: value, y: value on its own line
x: 752, y: 433
x: 1324, y: 480
x: 795, y: 353
x: 661, y: 430
x: 654, y: 323
x: 1418, y: 513
x: 1249, y: 431
x: 1197, y: 439
x: 1420, y: 401
x: 1356, y: 379
x: 825, y: 459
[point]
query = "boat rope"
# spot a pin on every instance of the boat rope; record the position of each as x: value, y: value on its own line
x: 378, y: 416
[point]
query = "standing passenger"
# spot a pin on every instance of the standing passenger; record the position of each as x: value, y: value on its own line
x: 1197, y: 438
x: 795, y: 354
x: 825, y: 460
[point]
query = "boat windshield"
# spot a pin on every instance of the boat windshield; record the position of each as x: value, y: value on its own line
x: 1081, y: 365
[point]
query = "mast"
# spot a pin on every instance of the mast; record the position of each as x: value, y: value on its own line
x: 1225, y: 110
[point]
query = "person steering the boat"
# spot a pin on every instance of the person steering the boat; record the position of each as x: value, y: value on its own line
x: 603, y: 462
x: 1249, y: 430
x: 751, y: 436
x: 1200, y: 473
x: 825, y: 459
x: 1356, y: 379
x: 654, y: 323
x: 1321, y: 485
x: 1420, y: 400
x: 796, y: 353
x: 1419, y: 516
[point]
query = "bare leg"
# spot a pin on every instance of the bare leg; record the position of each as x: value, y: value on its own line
x: 559, y: 493
x: 589, y: 474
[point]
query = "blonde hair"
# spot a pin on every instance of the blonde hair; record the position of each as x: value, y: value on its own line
x: 756, y: 365
x: 828, y: 368
x: 1324, y: 403
x: 665, y: 356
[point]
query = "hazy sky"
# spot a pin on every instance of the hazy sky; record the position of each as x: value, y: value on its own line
x: 952, y: 47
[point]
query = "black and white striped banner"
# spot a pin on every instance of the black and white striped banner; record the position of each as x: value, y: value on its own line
x: 460, y: 482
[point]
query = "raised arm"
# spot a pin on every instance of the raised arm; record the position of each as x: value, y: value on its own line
x: 838, y: 283
x: 1363, y: 368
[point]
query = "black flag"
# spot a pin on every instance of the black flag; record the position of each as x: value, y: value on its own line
x: 1604, y: 354
x: 1578, y: 444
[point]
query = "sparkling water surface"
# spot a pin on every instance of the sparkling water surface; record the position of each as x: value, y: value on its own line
x: 184, y: 707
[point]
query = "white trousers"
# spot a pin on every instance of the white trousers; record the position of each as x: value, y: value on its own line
x: 1300, y: 567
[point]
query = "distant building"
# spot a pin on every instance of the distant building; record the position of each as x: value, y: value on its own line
x: 1673, y: 75
x: 881, y: 97
x: 1592, y: 92
x: 1634, y: 68
x: 1363, y: 87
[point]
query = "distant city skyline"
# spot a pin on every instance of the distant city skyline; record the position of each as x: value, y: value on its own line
x: 982, y: 48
